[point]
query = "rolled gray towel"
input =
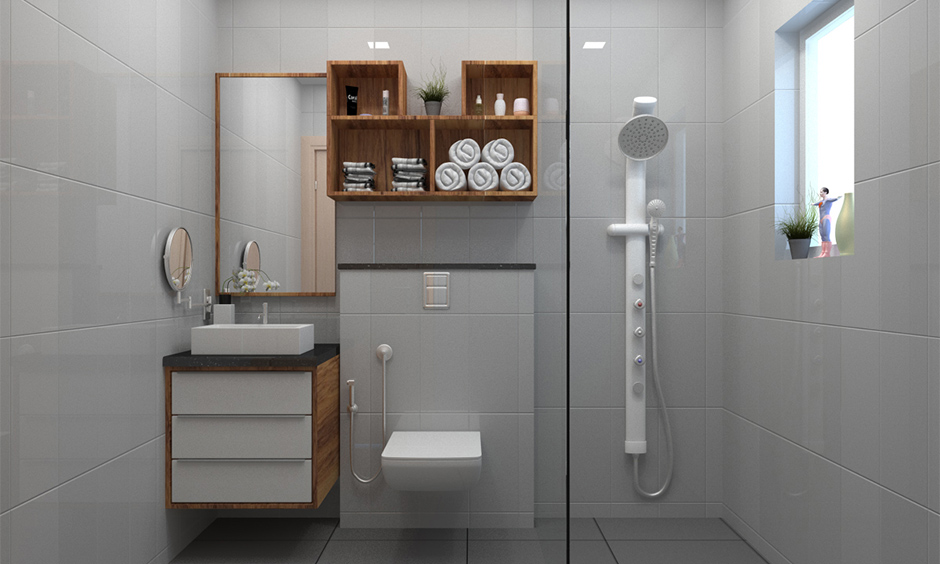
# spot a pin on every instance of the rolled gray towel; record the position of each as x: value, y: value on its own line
x: 450, y: 177
x: 359, y: 178
x: 361, y: 170
x: 465, y: 153
x: 515, y: 177
x: 350, y: 164
x: 409, y: 167
x: 483, y: 177
x: 408, y: 186
x: 498, y: 153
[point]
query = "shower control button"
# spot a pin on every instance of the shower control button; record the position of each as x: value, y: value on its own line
x: 639, y: 304
x: 638, y: 279
x: 638, y: 388
x: 639, y: 360
x: 639, y: 332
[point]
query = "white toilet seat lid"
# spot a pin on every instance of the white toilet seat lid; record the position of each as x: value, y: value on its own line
x: 433, y: 445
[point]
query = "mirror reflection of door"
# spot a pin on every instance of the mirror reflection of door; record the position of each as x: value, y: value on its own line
x: 318, y: 226
x: 179, y: 259
x: 252, y: 257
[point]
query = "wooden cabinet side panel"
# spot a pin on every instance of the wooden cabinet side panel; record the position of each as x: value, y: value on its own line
x: 326, y: 429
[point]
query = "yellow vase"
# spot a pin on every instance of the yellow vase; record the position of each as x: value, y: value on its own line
x: 845, y: 226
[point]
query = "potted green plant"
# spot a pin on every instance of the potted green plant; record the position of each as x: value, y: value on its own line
x: 434, y: 90
x: 798, y: 226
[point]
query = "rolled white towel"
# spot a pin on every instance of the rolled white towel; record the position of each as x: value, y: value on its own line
x: 483, y: 177
x: 498, y: 153
x: 556, y: 176
x: 515, y: 177
x: 450, y: 177
x: 465, y: 153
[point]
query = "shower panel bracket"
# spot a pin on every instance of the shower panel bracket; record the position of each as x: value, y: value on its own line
x: 626, y: 229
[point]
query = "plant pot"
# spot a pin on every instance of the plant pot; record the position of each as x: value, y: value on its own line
x: 432, y: 108
x: 799, y: 248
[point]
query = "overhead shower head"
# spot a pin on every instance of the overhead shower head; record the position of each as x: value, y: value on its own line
x: 643, y: 137
x: 656, y: 208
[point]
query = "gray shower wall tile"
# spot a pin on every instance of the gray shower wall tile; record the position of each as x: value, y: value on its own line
x: 445, y: 239
x: 397, y: 239
x: 494, y: 383
x: 492, y: 239
x: 445, y: 360
x: 354, y: 237
x: 550, y: 359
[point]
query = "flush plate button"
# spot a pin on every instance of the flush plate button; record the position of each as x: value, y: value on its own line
x: 436, y: 290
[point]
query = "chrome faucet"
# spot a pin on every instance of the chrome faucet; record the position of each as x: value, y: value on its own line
x: 264, y: 313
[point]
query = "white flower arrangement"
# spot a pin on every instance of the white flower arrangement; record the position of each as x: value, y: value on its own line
x: 187, y: 274
x: 246, y: 280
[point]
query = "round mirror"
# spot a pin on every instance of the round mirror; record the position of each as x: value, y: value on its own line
x: 178, y: 258
x: 251, y: 258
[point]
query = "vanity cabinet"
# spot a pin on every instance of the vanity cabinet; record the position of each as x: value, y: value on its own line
x: 256, y: 432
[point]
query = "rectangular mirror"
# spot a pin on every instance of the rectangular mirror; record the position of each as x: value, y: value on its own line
x: 273, y: 216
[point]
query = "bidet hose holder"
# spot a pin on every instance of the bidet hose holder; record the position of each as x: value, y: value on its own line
x: 384, y: 353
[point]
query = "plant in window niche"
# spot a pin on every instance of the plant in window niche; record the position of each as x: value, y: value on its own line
x: 798, y: 227
x: 434, y: 90
x: 246, y: 280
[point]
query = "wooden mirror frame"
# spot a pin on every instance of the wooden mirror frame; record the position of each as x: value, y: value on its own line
x: 218, y: 178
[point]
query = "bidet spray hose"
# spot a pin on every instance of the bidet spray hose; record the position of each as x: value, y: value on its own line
x: 384, y: 352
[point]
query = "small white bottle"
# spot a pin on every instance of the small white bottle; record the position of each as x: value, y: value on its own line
x: 385, y: 102
x: 500, y: 107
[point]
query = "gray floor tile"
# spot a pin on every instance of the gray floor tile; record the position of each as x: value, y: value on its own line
x: 269, y: 529
x: 399, y: 534
x: 666, y: 529
x: 684, y: 552
x: 545, y: 529
x: 537, y: 552
x: 250, y: 552
x: 394, y: 552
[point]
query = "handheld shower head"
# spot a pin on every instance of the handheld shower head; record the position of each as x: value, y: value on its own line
x: 643, y: 137
x: 656, y: 208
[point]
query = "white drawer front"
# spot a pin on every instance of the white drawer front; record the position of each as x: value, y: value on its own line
x: 242, y: 481
x: 242, y: 437
x: 237, y: 393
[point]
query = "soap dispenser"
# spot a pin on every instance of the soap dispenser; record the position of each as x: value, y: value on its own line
x: 500, y: 107
x: 478, y: 106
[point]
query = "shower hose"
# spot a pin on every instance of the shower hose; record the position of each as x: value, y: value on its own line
x: 664, y: 415
x: 353, y: 409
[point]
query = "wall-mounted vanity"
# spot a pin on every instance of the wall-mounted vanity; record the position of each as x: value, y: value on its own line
x: 272, y: 212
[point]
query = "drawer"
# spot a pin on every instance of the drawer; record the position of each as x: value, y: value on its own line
x: 242, y: 481
x: 242, y: 437
x: 237, y: 393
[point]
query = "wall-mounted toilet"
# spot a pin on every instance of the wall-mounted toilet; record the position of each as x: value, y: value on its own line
x: 432, y: 461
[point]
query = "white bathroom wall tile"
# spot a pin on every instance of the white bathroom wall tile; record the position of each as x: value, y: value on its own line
x: 591, y: 360
x: 50, y: 7
x: 32, y: 527
x: 714, y: 63
x: 590, y: 440
x: 356, y: 13
x: 494, y: 386
x: 742, y: 64
x: 689, y: 434
x: 635, y: 56
x: 593, y: 194
x: 682, y: 13
x: 591, y: 76
x: 682, y: 75
x: 303, y: 50
x: 146, y: 527
x: 355, y: 341
x: 34, y: 81
x: 77, y: 98
x: 490, y: 43
x: 679, y: 288
x: 445, y: 358
x: 590, y: 272
x: 80, y: 16
x: 550, y: 353
x: 350, y: 44
x: 400, y: 332
x: 549, y: 455
x: 255, y: 13
x: 714, y: 468
x: 444, y: 13
x: 225, y: 49
x: 678, y: 176
x: 867, y: 15
x: 498, y: 488
x: 890, y: 7
x: 256, y: 50
x: 34, y: 398
x: 860, y: 401
x: 168, y: 156
x: 933, y: 81
x: 303, y: 13
x: 402, y: 45
x: 933, y: 537
x: 168, y: 32
x: 742, y: 137
x: 225, y: 13
x: 550, y: 276
x: 741, y: 484
x: 444, y: 47
x: 397, y: 240
x: 525, y: 44
x: 683, y: 369
x: 640, y: 13
x: 406, y: 13
x: 492, y: 13
x: 933, y: 424
x: 903, y: 91
x: 77, y: 518
x: 190, y: 55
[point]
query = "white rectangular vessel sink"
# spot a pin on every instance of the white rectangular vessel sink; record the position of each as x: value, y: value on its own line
x: 242, y: 338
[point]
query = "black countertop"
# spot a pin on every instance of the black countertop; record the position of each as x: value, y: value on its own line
x: 436, y: 266
x: 314, y: 357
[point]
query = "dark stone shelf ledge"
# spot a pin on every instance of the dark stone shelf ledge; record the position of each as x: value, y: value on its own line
x: 437, y: 266
x: 314, y: 357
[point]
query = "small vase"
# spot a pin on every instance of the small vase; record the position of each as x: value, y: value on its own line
x: 799, y: 248
x: 432, y: 108
x: 845, y: 226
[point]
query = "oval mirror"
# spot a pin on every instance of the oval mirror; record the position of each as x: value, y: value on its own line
x: 178, y: 259
x: 251, y: 258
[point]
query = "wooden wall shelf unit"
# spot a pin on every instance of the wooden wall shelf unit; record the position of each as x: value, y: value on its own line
x: 378, y: 138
